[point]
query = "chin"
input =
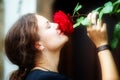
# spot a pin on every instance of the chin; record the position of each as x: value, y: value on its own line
x: 66, y: 39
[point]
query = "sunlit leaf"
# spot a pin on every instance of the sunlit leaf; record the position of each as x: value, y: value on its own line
x: 117, y: 2
x: 85, y: 22
x: 77, y: 8
x: 97, y: 9
x: 108, y: 8
x: 100, y: 15
x: 78, y: 22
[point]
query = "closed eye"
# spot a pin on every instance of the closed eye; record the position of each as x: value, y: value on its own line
x: 48, y: 25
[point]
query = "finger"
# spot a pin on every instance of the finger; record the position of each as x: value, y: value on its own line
x: 88, y: 29
x: 104, y: 28
x: 89, y: 19
x: 89, y: 16
x: 94, y: 18
x: 99, y: 24
x: 88, y: 34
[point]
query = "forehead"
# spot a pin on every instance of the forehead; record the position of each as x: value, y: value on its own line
x: 41, y: 20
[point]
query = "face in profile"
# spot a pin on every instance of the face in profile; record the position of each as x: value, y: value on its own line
x: 50, y: 36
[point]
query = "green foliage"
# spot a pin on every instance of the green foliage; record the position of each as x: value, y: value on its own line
x: 116, y: 36
x: 110, y: 8
x: 107, y: 8
x: 78, y: 21
x: 81, y: 20
x: 77, y: 8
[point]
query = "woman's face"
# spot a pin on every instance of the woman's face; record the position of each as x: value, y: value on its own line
x: 50, y: 36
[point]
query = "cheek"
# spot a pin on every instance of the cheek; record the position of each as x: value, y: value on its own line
x: 47, y: 37
x: 52, y: 40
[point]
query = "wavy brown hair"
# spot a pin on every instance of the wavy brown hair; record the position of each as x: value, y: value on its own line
x: 19, y: 45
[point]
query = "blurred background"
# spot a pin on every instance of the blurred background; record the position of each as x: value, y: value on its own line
x: 79, y: 58
x: 1, y: 39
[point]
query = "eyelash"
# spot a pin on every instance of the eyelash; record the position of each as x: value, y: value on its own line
x: 48, y: 26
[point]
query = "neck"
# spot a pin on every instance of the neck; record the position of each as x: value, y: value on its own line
x: 49, y: 61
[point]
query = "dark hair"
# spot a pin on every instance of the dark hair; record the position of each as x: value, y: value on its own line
x: 19, y: 45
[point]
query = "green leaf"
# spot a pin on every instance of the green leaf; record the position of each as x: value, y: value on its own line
x: 118, y: 11
x: 116, y: 36
x: 116, y: 7
x: 114, y: 43
x: 97, y: 9
x: 100, y: 15
x: 117, y: 2
x: 116, y: 33
x: 77, y: 8
x: 85, y: 22
x: 78, y: 22
x: 108, y: 7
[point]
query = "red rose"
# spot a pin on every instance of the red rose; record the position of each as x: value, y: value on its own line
x: 64, y: 22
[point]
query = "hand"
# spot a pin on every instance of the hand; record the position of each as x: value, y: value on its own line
x: 97, y: 31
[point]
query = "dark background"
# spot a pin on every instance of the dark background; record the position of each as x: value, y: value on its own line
x: 79, y: 59
x: 68, y: 5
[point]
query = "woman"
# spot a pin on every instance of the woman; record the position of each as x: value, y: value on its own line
x: 34, y: 44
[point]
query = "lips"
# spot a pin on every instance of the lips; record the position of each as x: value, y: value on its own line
x: 59, y: 31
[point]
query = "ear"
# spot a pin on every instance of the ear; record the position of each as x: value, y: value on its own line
x: 39, y: 46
